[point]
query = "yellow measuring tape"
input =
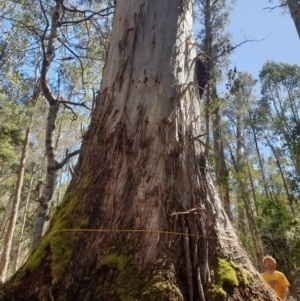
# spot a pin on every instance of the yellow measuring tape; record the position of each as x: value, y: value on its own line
x: 140, y: 231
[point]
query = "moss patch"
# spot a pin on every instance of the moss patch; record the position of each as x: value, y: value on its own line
x: 126, y: 282
x: 57, y: 241
x: 226, y: 276
x: 162, y: 287
x: 112, y: 260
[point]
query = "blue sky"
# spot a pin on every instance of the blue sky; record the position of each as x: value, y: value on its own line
x: 280, y: 42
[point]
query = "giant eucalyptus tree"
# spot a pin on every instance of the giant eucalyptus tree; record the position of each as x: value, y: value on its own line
x: 141, y: 219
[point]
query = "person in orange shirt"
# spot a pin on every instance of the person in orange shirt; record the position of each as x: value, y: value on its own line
x: 276, y: 280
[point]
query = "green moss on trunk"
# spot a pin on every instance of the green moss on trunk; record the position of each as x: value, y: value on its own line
x: 162, y: 287
x: 226, y: 276
x: 58, y: 241
x: 125, y: 282
x: 128, y: 283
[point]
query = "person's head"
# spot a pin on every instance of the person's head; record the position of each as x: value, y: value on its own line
x: 269, y: 262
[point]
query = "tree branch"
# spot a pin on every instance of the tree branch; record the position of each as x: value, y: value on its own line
x: 271, y: 8
x: 99, y: 13
x: 66, y: 159
x: 82, y: 104
x: 78, y: 58
x: 236, y: 46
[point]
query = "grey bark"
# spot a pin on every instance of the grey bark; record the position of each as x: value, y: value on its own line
x: 42, y: 212
x: 41, y: 216
x: 294, y: 7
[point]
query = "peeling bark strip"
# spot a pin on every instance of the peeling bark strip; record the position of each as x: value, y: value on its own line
x: 138, y: 166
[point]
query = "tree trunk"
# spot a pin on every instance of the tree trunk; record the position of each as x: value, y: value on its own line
x: 285, y: 185
x: 294, y: 7
x: 24, y: 216
x: 221, y: 171
x: 5, y: 255
x: 141, y: 219
x: 258, y: 249
x: 254, y: 235
x: 239, y: 173
x: 260, y: 161
x: 244, y: 196
x: 208, y: 40
x: 253, y: 190
x: 42, y: 212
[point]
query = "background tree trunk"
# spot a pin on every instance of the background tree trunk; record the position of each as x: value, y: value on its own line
x: 23, y: 220
x: 221, y: 170
x: 5, y: 255
x: 43, y: 208
x: 141, y: 219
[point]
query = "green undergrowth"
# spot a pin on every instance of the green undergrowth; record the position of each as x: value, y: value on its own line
x: 226, y: 276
